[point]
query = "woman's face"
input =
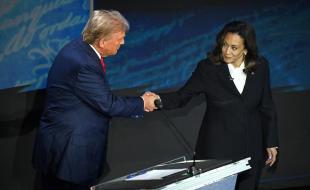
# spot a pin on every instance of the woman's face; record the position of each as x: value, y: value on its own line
x: 233, y: 50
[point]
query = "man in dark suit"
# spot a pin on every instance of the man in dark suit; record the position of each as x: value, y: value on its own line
x: 70, y: 146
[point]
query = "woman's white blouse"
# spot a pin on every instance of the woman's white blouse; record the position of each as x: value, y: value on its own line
x: 238, y: 76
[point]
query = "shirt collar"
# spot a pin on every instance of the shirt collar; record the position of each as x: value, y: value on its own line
x: 95, y: 51
x: 231, y: 67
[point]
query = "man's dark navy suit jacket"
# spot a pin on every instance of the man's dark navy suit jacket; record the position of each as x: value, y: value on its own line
x: 71, y: 140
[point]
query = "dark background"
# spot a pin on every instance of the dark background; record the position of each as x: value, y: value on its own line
x: 136, y: 144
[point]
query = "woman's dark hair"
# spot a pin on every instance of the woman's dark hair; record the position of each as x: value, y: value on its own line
x: 247, y: 33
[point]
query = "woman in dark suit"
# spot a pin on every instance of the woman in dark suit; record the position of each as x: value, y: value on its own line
x: 240, y: 119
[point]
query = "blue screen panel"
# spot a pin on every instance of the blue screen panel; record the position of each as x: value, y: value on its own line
x: 164, y: 45
x: 31, y: 34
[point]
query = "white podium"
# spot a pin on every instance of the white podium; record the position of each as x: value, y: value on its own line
x: 211, y: 175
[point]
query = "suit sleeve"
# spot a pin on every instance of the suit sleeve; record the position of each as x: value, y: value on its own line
x: 192, y: 87
x: 94, y: 90
x: 268, y: 112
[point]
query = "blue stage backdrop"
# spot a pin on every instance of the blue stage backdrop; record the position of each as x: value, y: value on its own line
x: 31, y: 34
x: 163, y: 45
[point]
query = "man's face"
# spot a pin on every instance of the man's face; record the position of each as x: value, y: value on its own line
x: 113, y: 43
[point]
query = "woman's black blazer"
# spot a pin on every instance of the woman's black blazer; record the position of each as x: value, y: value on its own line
x: 235, y: 125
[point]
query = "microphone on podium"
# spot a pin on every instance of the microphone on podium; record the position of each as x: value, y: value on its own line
x: 191, y: 170
x: 158, y: 104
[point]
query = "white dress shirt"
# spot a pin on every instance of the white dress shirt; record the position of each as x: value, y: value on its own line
x: 238, y: 76
x: 95, y: 51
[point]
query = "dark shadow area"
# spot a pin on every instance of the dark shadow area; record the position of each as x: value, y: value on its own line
x: 135, y: 144
x: 19, y: 118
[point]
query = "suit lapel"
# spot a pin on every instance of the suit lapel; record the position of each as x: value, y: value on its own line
x: 248, y: 83
x: 93, y: 55
x: 226, y: 79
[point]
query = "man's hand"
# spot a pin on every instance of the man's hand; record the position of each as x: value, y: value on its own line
x: 148, y: 99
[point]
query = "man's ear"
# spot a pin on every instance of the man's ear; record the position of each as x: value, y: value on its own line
x: 101, y: 43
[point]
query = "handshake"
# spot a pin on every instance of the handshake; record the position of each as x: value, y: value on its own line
x: 149, y: 101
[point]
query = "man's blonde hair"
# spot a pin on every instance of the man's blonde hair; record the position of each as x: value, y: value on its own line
x: 102, y: 24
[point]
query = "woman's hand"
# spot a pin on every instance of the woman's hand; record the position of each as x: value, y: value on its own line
x: 272, y: 156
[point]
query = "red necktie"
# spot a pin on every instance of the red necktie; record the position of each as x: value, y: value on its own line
x: 102, y: 64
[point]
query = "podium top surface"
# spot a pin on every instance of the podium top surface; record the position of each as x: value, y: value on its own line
x: 123, y: 183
